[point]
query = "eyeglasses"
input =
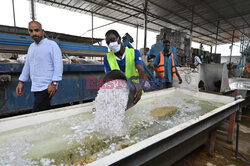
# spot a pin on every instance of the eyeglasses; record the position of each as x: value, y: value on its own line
x: 36, y: 30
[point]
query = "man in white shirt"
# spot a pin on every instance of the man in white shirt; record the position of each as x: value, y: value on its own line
x: 43, y: 67
x: 197, y: 61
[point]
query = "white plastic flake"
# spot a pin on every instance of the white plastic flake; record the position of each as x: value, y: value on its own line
x: 110, y: 104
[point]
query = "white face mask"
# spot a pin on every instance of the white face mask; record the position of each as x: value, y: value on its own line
x: 114, y: 46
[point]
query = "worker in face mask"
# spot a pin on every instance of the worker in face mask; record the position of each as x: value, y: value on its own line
x: 128, y: 60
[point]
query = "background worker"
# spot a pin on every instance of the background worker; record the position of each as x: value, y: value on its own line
x: 197, y: 61
x: 128, y: 60
x: 43, y: 66
x: 164, y: 65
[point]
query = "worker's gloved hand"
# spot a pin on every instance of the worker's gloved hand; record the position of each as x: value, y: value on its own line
x: 138, y: 93
x: 19, y: 89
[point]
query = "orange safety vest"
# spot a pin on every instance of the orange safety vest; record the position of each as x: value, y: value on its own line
x: 161, y: 67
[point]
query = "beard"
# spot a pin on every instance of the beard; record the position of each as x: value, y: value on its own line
x: 37, y: 38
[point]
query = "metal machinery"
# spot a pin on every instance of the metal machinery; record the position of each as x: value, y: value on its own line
x: 214, y: 77
x: 78, y: 82
x: 45, y: 132
x: 243, y: 67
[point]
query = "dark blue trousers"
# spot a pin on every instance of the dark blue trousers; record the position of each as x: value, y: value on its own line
x: 42, y: 101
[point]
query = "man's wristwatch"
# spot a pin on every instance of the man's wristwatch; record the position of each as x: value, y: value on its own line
x: 55, y: 83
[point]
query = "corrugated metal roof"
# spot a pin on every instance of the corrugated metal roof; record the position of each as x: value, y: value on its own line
x: 174, y: 14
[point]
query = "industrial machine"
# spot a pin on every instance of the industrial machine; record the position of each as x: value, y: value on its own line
x: 214, y: 78
x: 67, y: 135
x: 243, y: 67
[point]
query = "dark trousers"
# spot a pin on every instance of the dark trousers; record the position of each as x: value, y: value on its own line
x: 42, y: 101
x: 167, y: 85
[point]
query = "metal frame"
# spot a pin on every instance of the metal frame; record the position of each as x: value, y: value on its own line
x: 147, y: 151
x: 126, y: 12
x: 207, y: 21
x: 236, y: 11
x: 186, y: 133
x: 14, y: 15
x: 32, y: 5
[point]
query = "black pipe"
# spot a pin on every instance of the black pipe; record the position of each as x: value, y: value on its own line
x: 237, y: 132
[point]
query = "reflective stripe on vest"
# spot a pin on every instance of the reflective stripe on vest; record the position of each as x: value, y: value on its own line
x: 161, y: 67
x: 130, y: 69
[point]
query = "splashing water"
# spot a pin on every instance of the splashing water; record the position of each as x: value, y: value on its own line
x: 110, y: 104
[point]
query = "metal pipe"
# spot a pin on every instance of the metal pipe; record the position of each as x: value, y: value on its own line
x: 145, y: 26
x: 231, y: 48
x: 137, y: 27
x: 217, y: 35
x: 238, y: 118
x: 32, y: 10
x: 120, y: 20
x: 211, y: 49
x: 191, y: 29
x: 14, y: 15
x: 92, y: 25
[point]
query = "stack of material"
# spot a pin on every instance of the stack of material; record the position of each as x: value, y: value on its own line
x: 79, y: 60
x: 178, y: 40
x: 7, y: 58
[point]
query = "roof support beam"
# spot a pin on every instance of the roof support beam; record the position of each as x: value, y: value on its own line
x: 137, y: 36
x: 14, y: 15
x: 134, y: 8
x: 218, y: 23
x: 67, y: 4
x: 145, y: 26
x: 92, y: 26
x: 235, y: 10
x: 240, y: 27
x: 76, y: 3
x: 200, y: 40
x: 231, y: 50
x: 120, y: 20
x: 105, y: 5
x: 103, y: 15
x: 79, y: 5
x: 213, y: 22
x: 32, y: 4
x: 192, y: 10
x: 168, y: 10
x: 192, y: 20
x: 219, y: 15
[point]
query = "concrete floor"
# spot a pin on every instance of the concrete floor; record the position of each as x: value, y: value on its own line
x: 224, y: 153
